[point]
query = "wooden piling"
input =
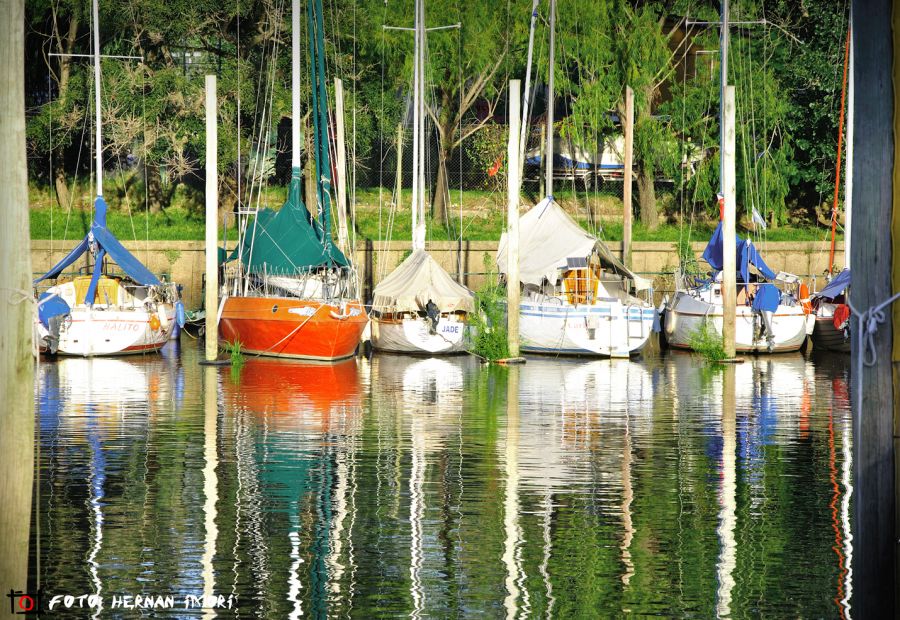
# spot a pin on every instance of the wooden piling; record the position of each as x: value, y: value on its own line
x: 212, y: 223
x: 729, y: 249
x: 512, y: 231
x: 877, y: 276
x: 16, y: 310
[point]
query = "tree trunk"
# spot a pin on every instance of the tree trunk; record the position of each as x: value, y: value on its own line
x: 440, y: 202
x: 62, y: 187
x: 16, y: 362
x: 65, y: 71
x: 647, y: 196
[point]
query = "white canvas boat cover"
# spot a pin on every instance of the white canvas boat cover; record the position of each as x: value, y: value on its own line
x: 548, y: 237
x: 417, y: 280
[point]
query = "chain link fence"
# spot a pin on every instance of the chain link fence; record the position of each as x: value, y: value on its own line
x: 479, y: 166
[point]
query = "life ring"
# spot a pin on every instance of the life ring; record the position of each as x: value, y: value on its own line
x: 804, y: 299
x: 154, y: 322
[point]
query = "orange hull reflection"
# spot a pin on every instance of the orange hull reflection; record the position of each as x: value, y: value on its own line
x: 285, y: 327
x: 286, y: 392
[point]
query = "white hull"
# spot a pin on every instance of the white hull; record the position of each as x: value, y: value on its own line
x: 412, y: 335
x: 686, y: 314
x: 128, y: 320
x: 91, y: 332
x: 603, y: 329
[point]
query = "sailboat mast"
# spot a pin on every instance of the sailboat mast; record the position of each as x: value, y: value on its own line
x: 295, y: 85
x: 95, y: 12
x: 523, y: 134
x: 418, y: 203
x: 415, y: 170
x: 422, y: 141
x: 848, y: 173
x: 840, y: 144
x: 548, y: 180
x: 324, y: 172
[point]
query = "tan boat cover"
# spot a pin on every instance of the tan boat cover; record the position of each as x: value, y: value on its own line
x: 416, y: 280
x: 547, y: 237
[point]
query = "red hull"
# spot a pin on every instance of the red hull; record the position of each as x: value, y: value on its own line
x: 285, y: 327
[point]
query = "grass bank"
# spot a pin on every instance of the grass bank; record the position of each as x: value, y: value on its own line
x: 483, y: 218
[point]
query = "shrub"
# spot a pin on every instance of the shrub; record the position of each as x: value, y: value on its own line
x: 706, y: 341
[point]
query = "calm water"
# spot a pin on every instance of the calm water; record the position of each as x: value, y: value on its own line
x: 441, y: 488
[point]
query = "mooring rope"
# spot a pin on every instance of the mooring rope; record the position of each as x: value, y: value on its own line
x: 867, y: 356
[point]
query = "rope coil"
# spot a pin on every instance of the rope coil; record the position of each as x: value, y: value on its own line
x: 868, y: 323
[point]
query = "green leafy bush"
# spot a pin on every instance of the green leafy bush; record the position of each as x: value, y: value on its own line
x: 487, y: 333
x: 706, y: 341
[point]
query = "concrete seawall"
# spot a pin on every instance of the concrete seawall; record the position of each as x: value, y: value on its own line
x: 183, y: 261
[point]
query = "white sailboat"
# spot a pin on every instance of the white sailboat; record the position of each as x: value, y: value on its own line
x: 419, y: 308
x: 769, y: 316
x: 104, y: 313
x: 577, y: 298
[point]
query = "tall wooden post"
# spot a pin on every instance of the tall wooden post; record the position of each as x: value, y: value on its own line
x: 211, y: 304
x: 876, y: 204
x: 343, y: 239
x: 626, y: 188
x: 16, y: 364
x: 729, y: 249
x: 512, y: 232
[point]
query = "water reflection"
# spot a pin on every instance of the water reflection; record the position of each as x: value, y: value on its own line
x: 438, y: 487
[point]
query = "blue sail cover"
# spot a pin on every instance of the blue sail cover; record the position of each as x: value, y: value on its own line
x: 107, y: 245
x: 747, y: 255
x: 837, y: 285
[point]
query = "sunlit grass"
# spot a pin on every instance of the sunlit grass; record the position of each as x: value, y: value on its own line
x: 483, y: 217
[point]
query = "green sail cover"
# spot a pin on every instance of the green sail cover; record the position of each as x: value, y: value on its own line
x: 288, y: 241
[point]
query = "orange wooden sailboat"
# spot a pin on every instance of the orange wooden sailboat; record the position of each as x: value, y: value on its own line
x: 291, y: 291
x: 286, y: 327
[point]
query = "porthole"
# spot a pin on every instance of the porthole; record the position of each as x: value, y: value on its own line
x: 274, y: 308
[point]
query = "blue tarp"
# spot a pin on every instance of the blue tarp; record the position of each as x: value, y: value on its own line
x: 767, y: 298
x: 107, y: 245
x: 837, y: 285
x: 51, y: 305
x: 746, y: 255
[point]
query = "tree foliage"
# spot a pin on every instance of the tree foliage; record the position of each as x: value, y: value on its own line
x: 786, y: 73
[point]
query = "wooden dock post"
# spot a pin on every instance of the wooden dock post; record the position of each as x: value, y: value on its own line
x: 729, y: 248
x: 876, y: 263
x: 16, y: 363
x: 212, y: 223
x: 512, y: 231
x: 626, y: 187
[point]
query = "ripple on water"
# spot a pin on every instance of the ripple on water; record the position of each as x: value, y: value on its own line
x: 439, y: 486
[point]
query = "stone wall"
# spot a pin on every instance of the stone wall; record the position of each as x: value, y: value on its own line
x: 183, y: 261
